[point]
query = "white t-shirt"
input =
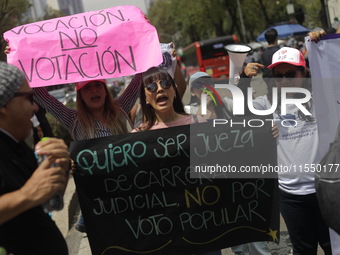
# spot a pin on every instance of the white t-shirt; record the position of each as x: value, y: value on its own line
x: 297, y: 149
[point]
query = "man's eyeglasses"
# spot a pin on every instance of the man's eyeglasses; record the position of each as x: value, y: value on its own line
x: 289, y: 75
x: 28, y: 94
x: 152, y: 87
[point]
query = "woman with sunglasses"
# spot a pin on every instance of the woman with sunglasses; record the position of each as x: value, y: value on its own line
x: 297, y: 151
x: 162, y: 106
x: 160, y: 101
x: 171, y: 65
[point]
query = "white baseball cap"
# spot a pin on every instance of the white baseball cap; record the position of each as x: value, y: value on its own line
x: 288, y: 55
x: 197, y: 75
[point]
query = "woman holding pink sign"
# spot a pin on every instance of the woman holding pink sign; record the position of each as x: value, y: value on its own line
x: 97, y: 114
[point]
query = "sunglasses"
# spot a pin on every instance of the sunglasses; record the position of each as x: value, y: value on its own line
x: 199, y: 84
x: 28, y: 94
x: 289, y: 75
x: 152, y: 87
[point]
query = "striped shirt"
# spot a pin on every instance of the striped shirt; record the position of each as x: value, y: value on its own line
x: 68, y: 116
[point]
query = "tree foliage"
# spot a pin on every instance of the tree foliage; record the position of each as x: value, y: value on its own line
x: 11, y: 16
x: 187, y: 21
x: 11, y: 11
x: 51, y: 13
x: 196, y: 20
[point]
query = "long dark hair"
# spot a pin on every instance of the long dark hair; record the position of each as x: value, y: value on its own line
x: 306, y: 85
x: 151, y: 75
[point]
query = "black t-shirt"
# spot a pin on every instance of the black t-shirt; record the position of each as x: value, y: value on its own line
x: 266, y: 60
x: 32, y: 232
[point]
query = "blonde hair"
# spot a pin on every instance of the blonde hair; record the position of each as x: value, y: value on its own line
x: 116, y: 118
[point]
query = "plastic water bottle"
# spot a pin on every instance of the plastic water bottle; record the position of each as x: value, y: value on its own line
x: 56, y: 203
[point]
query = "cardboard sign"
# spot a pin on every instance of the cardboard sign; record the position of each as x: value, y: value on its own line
x: 137, y: 195
x: 114, y: 42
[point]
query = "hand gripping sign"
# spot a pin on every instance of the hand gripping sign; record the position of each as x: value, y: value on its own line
x: 102, y: 44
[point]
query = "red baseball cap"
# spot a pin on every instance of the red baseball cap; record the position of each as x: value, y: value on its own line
x: 288, y: 55
x: 81, y: 84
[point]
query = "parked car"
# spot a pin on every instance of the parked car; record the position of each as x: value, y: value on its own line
x: 71, y: 96
x: 59, y: 94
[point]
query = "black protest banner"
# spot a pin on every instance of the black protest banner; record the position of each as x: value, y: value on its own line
x: 137, y: 195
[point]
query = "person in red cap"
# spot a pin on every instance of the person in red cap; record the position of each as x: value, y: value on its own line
x: 297, y: 152
x: 97, y: 113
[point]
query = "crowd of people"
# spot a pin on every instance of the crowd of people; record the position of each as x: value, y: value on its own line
x: 24, y: 186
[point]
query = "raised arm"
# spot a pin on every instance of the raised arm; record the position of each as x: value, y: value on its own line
x: 63, y: 114
x: 250, y: 70
x: 316, y: 35
x: 180, y: 81
x: 128, y: 99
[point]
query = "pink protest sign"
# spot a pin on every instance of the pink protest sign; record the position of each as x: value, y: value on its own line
x: 114, y: 42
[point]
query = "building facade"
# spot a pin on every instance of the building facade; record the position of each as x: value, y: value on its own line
x: 70, y: 7
x: 333, y: 10
x: 36, y: 10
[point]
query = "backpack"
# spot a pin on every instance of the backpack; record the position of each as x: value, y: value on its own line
x: 327, y: 184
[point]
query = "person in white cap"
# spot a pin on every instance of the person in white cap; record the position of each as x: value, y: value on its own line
x: 24, y: 186
x: 297, y: 150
